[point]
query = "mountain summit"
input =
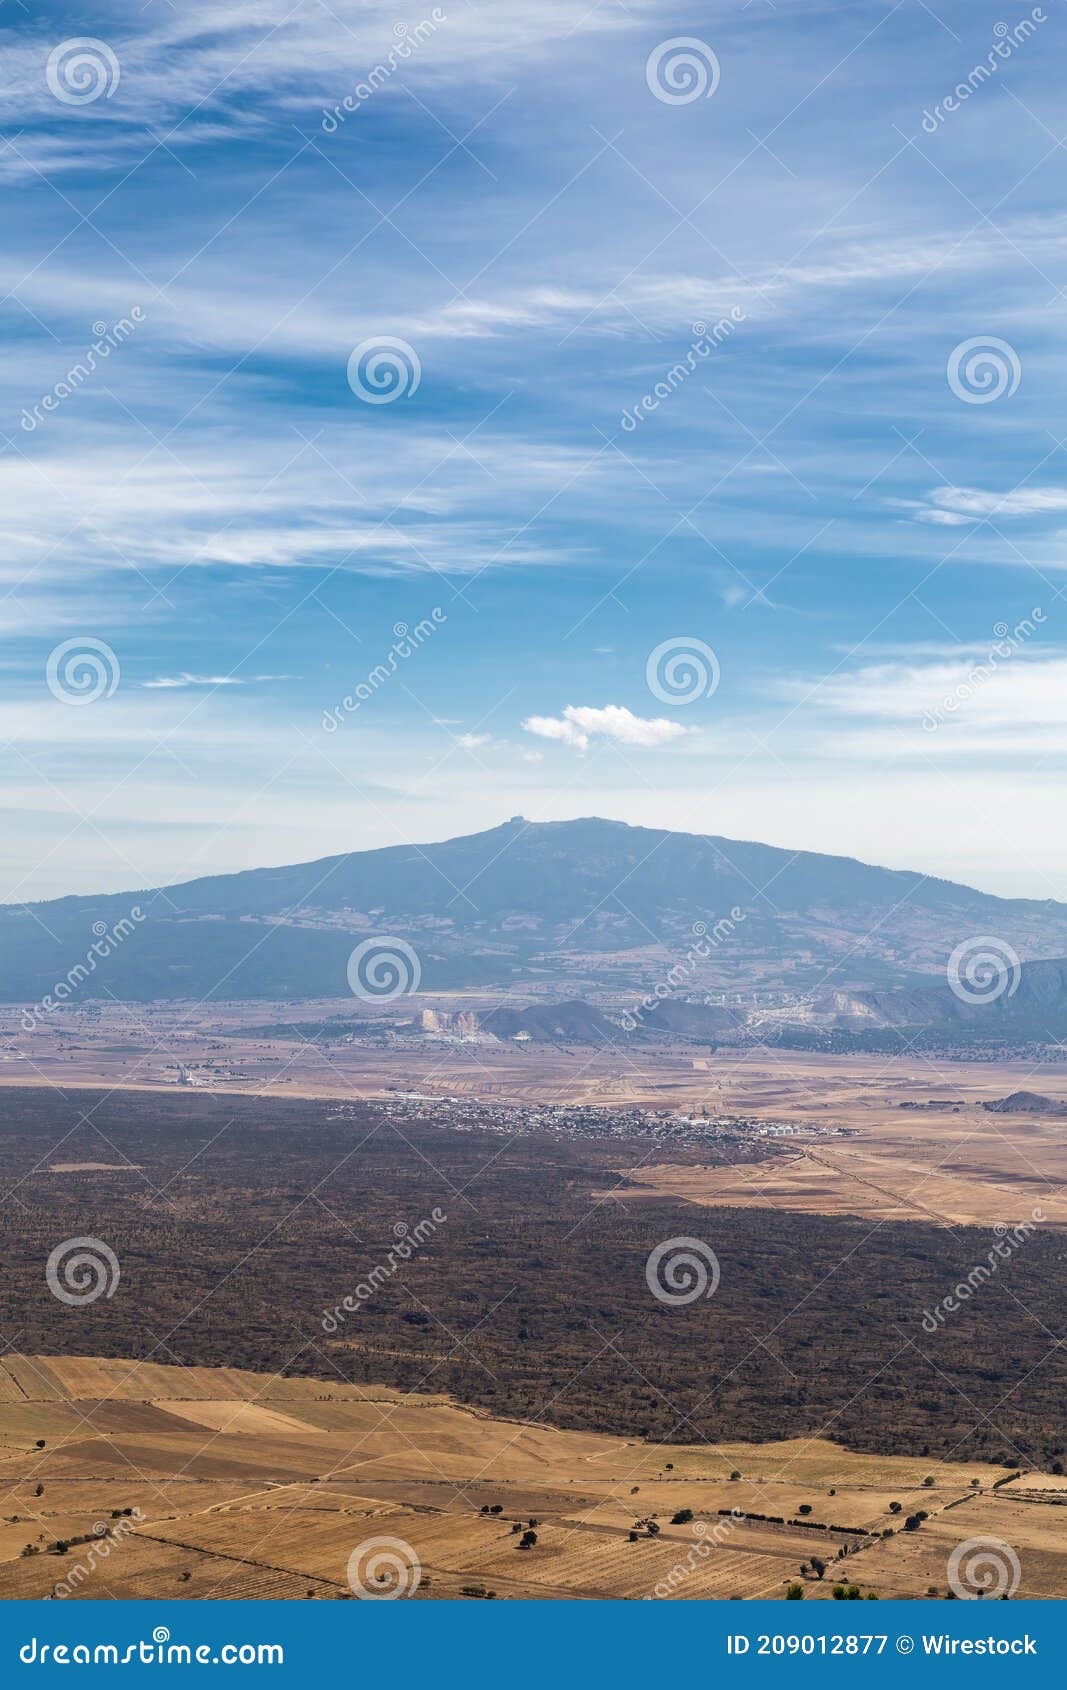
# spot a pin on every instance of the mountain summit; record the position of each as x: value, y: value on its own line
x: 596, y: 904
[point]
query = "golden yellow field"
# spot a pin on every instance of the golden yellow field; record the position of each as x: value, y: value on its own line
x: 250, y: 1486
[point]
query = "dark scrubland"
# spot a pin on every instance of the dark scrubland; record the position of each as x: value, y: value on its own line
x: 246, y: 1220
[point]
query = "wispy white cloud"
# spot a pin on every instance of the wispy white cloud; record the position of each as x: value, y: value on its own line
x: 957, y: 506
x: 185, y: 680
x: 204, y: 66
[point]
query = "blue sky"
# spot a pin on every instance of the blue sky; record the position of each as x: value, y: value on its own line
x: 827, y: 496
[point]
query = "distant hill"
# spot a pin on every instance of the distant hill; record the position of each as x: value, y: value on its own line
x: 556, y: 1023
x: 584, y: 906
x: 1026, y: 1103
x: 1024, y: 1002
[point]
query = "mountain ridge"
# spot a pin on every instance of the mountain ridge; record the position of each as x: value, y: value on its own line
x: 589, y: 904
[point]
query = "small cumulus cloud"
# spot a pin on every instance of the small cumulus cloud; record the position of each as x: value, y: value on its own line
x: 581, y: 723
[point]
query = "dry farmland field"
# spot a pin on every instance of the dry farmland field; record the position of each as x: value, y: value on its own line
x: 253, y: 1486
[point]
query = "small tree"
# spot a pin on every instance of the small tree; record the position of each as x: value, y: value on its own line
x: 682, y: 1518
x: 818, y: 1567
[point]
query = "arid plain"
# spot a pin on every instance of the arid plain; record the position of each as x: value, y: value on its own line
x: 132, y: 1478
x: 245, y: 1486
x: 917, y: 1140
